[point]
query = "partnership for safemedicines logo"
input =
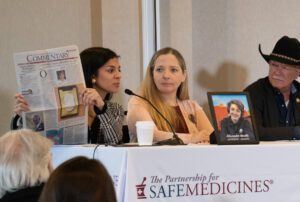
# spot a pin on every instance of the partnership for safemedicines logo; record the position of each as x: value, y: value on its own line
x: 140, y: 189
x: 198, y: 185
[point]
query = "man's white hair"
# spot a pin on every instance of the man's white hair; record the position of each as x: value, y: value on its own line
x: 24, y: 160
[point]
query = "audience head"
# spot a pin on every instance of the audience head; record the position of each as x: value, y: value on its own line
x: 284, y: 63
x: 235, y: 109
x: 79, y: 180
x: 101, y: 69
x: 25, y: 160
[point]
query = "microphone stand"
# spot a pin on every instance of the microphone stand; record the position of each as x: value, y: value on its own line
x: 175, y: 140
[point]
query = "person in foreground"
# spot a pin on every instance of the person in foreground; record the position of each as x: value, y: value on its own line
x: 235, y: 123
x: 102, y: 74
x: 276, y: 98
x: 25, y: 165
x: 79, y: 180
x: 165, y: 85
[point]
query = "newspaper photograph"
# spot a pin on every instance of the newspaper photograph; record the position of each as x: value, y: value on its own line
x: 51, y: 81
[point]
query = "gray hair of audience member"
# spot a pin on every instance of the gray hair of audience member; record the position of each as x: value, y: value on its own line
x: 25, y: 160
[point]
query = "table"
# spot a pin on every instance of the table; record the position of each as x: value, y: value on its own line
x: 267, y: 172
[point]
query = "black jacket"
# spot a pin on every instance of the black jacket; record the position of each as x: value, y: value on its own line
x: 30, y: 194
x: 266, y: 112
x: 242, y: 127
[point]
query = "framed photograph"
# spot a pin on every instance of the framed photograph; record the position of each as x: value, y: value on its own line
x: 68, y: 97
x: 68, y: 101
x: 232, y: 118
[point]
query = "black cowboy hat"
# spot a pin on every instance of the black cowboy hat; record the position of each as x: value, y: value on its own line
x: 286, y: 51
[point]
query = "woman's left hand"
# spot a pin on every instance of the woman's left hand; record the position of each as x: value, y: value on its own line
x: 91, y: 97
x: 200, y: 138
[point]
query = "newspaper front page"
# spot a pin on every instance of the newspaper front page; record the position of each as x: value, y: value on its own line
x: 51, y: 81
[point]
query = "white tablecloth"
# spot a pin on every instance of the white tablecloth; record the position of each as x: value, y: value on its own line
x: 267, y: 172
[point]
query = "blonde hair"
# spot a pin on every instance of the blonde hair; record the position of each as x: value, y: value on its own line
x: 24, y: 160
x: 149, y: 90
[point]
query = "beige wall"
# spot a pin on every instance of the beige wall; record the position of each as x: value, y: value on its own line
x: 218, y: 38
x: 223, y: 40
x: 121, y: 27
x: 39, y: 24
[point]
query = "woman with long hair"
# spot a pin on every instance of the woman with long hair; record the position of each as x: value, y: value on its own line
x: 102, y: 74
x: 166, y: 87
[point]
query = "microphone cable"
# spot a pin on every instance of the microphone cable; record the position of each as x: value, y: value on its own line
x: 172, y: 141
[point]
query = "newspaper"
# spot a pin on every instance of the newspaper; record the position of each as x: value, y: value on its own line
x: 51, y: 80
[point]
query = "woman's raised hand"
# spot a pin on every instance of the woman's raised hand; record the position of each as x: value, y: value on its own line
x: 21, y: 104
x: 91, y: 97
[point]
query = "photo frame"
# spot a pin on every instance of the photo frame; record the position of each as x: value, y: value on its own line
x: 233, y: 118
x: 68, y: 97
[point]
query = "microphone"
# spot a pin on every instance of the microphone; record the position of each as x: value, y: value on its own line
x: 175, y: 140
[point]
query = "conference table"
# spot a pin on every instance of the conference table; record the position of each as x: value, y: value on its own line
x: 267, y: 172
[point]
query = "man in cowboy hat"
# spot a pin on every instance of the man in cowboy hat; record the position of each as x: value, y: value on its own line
x: 276, y: 98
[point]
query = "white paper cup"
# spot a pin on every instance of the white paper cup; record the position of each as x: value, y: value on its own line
x: 144, y: 131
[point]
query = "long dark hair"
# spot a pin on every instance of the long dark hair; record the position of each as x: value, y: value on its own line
x: 79, y: 180
x: 92, y: 59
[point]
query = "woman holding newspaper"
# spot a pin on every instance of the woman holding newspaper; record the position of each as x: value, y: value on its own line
x: 102, y: 73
